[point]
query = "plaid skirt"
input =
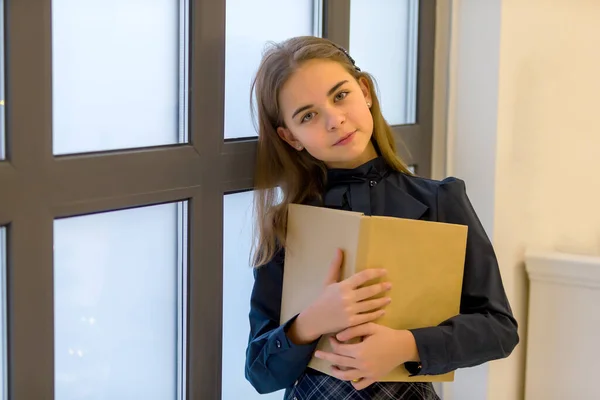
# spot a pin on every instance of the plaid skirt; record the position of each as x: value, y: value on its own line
x: 317, y: 386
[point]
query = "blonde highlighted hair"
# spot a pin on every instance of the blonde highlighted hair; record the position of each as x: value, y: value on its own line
x: 284, y: 175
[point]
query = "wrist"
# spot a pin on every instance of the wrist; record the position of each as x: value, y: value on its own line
x: 407, y: 347
x: 302, y: 331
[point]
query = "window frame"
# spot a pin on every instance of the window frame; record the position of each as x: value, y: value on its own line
x: 38, y: 187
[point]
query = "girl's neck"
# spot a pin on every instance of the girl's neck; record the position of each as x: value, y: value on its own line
x: 367, y: 155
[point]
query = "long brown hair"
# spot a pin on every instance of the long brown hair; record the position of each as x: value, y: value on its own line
x: 284, y: 175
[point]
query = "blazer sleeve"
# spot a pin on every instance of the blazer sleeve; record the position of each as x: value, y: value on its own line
x: 485, y: 329
x: 273, y: 362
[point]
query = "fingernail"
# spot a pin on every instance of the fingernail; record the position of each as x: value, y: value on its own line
x: 389, y: 300
x: 387, y: 285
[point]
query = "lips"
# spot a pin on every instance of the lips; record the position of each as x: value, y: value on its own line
x: 345, y: 138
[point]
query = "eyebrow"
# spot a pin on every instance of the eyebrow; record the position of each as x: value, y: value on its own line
x: 329, y: 93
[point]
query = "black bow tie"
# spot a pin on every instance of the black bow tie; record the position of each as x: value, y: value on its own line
x: 374, y: 170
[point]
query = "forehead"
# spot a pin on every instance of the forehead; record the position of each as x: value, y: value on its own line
x: 312, y: 80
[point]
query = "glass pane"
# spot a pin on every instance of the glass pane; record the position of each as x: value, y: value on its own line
x: 392, y: 62
x: 119, y: 74
x: 3, y: 352
x: 250, y: 25
x: 2, y: 101
x: 118, y: 295
x: 237, y: 285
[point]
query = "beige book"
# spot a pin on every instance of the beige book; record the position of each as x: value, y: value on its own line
x: 425, y: 263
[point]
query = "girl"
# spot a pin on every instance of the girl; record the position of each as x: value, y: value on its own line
x: 323, y: 141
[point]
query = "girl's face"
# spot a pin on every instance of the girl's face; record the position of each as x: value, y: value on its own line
x: 326, y: 112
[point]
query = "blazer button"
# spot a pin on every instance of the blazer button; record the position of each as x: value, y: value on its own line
x: 278, y: 344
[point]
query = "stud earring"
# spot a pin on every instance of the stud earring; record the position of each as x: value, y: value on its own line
x: 298, y: 147
x: 368, y: 104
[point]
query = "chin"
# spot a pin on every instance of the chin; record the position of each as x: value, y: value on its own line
x: 350, y: 159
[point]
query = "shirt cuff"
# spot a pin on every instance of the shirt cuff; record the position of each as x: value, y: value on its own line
x: 431, y: 345
x: 414, y: 368
x: 282, y: 346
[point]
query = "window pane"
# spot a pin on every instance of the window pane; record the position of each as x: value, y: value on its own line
x: 119, y: 74
x: 393, y: 62
x: 237, y: 285
x: 3, y: 352
x: 118, y: 287
x: 250, y: 26
x: 2, y: 101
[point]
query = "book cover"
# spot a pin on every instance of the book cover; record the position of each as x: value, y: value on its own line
x: 424, y: 262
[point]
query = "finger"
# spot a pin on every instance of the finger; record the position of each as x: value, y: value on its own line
x: 370, y: 305
x: 363, y: 383
x: 371, y: 290
x: 343, y: 349
x: 346, y: 374
x: 336, y: 359
x: 359, y: 319
x: 356, y: 331
x: 333, y: 275
x: 364, y: 276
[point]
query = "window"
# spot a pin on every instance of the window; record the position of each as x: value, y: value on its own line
x: 237, y: 286
x: 126, y: 190
x: 3, y: 352
x: 118, y: 80
x: 393, y: 62
x: 118, y: 290
x: 394, y: 40
x: 249, y: 26
x: 2, y: 97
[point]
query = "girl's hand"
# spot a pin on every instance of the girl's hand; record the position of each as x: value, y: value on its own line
x: 381, y: 350
x: 341, y: 304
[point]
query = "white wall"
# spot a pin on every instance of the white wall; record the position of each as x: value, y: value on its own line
x: 472, y: 124
x: 524, y: 133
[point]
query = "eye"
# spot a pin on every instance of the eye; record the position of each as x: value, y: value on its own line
x: 307, y: 117
x: 341, y: 95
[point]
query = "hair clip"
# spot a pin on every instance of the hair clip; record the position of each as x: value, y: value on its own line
x: 343, y: 50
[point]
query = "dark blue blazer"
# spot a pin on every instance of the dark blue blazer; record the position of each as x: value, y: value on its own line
x: 485, y: 329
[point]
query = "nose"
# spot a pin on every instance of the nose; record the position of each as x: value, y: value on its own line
x: 334, y: 119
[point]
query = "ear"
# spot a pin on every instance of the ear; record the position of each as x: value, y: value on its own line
x: 288, y: 137
x: 364, y: 87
